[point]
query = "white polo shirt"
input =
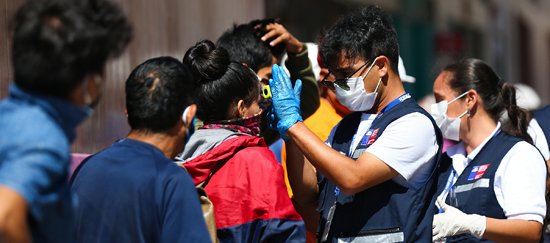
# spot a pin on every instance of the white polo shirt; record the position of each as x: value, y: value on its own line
x: 539, y: 139
x: 520, y: 180
x: 408, y: 145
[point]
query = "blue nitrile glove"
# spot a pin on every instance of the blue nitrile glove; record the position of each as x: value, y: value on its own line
x: 286, y: 100
x: 272, y: 121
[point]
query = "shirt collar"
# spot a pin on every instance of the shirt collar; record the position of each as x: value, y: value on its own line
x: 66, y: 114
x: 458, y: 152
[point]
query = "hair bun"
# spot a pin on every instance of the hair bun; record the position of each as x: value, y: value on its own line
x: 206, y: 61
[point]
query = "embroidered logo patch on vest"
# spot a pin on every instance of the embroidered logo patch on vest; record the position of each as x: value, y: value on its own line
x: 373, y: 136
x: 477, y: 172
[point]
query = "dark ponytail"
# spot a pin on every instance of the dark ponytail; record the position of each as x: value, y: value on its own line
x: 518, y: 118
x: 220, y: 82
x: 497, y: 95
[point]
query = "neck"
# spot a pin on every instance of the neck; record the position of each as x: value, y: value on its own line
x: 479, y: 129
x: 392, y: 91
x: 168, y: 144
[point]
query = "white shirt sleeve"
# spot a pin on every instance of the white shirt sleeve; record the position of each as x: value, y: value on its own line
x: 520, y: 183
x: 409, y: 146
x: 539, y: 139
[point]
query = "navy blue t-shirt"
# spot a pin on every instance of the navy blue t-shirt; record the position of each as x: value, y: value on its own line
x: 130, y: 192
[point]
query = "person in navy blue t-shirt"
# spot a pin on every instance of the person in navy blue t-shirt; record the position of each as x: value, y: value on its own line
x: 132, y: 191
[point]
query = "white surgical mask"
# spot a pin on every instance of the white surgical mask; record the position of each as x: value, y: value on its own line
x: 450, y: 127
x: 91, y: 105
x: 356, y: 98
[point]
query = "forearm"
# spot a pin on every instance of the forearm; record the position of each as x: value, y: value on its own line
x: 302, y: 177
x: 13, y: 217
x: 512, y: 230
x: 338, y: 168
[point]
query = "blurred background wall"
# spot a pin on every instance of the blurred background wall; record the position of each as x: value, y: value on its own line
x: 161, y: 28
x: 513, y: 36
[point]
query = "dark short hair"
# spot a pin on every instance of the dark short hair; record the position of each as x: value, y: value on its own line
x: 157, y: 93
x: 221, y: 83
x: 365, y: 33
x: 244, y: 44
x: 56, y: 43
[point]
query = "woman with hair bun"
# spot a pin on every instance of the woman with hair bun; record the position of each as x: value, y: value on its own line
x: 247, y: 187
x: 492, y: 186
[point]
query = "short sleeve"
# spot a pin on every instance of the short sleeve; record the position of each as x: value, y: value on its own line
x: 39, y: 172
x: 183, y: 220
x: 539, y: 139
x: 408, y: 145
x: 520, y: 183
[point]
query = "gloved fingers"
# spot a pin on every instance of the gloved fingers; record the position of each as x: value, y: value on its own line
x: 298, y: 88
x: 274, y: 89
x: 280, y: 74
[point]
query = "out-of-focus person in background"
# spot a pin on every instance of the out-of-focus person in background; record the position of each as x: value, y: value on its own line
x: 246, y: 184
x: 492, y: 186
x: 262, y: 43
x: 59, y: 52
x: 132, y: 191
x: 539, y: 128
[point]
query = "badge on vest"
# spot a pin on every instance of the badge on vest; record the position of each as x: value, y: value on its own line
x: 477, y: 172
x: 369, y: 137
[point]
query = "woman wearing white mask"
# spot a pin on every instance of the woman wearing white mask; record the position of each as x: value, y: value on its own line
x: 484, y: 195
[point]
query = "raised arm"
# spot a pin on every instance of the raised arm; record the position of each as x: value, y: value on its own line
x: 351, y: 176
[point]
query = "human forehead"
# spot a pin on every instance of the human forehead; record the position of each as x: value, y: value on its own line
x: 345, y: 63
x: 442, y: 89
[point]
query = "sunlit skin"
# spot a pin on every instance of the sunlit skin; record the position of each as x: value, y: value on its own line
x: 474, y: 129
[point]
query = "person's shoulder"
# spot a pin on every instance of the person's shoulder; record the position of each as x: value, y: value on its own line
x: 30, y: 125
x: 259, y: 156
x: 522, y: 149
x: 414, y: 121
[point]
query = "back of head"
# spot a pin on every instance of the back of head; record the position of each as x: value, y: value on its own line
x: 244, y: 44
x: 365, y: 34
x: 497, y: 95
x: 157, y: 93
x: 56, y: 43
x: 220, y: 82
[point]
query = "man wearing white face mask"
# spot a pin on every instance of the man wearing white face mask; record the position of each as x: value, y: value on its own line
x: 134, y: 182
x: 377, y: 168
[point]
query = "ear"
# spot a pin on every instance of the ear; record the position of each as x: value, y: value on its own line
x: 383, y: 64
x: 241, y: 107
x: 244, y: 64
x: 472, y: 98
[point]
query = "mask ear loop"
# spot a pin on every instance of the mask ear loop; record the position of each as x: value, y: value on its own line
x: 368, y: 71
x: 460, y: 96
x: 184, y: 116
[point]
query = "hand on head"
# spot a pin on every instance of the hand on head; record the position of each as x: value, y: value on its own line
x: 292, y: 45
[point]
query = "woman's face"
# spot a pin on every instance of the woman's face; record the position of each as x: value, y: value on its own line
x: 252, y: 108
x: 443, y: 91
